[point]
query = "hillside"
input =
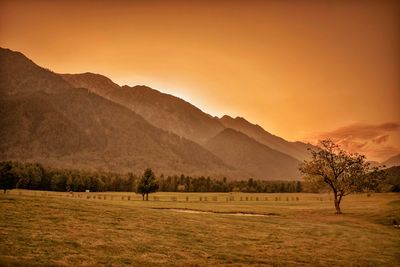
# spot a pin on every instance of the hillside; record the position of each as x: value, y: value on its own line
x: 18, y: 74
x: 393, y: 161
x: 96, y: 83
x: 258, y: 160
x: 393, y: 179
x: 44, y: 119
x: 164, y: 111
x: 294, y: 149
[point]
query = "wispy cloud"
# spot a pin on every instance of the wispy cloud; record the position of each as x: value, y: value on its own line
x: 372, y: 140
x: 381, y: 139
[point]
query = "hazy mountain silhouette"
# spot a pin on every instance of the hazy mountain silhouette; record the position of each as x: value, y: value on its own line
x: 294, y: 149
x: 86, y: 120
x: 18, y: 74
x: 97, y: 83
x: 176, y: 115
x: 392, y: 161
x: 45, y: 119
x: 243, y: 152
x: 162, y: 110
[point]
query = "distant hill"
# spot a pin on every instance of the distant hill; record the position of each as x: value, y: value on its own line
x: 258, y: 160
x: 375, y: 163
x: 18, y: 75
x: 45, y: 119
x: 88, y: 121
x: 393, y: 178
x: 164, y: 111
x: 180, y: 117
x: 294, y: 149
x: 99, y: 84
x: 393, y: 161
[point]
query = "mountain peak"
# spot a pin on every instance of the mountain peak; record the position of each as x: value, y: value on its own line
x: 240, y: 119
x: 87, y: 114
x: 48, y: 119
x: 164, y: 111
x: 227, y: 117
x: 19, y: 74
x: 144, y: 87
x: 239, y: 150
x: 96, y: 83
x: 392, y: 161
x: 91, y: 81
x: 139, y: 86
x: 7, y: 51
x: 237, y: 120
x: 92, y: 75
x: 255, y: 131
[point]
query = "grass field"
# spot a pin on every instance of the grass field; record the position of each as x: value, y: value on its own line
x: 47, y: 229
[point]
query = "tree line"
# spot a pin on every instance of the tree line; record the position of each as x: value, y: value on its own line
x: 35, y: 176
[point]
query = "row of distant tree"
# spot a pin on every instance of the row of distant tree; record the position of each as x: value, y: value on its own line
x: 35, y: 176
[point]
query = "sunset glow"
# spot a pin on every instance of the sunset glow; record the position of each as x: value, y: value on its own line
x: 300, y: 69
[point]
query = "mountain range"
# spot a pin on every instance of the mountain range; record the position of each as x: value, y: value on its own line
x: 392, y: 161
x: 88, y: 121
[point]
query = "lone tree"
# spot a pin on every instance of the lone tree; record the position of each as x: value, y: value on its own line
x: 8, y: 179
x: 147, y: 184
x: 343, y: 172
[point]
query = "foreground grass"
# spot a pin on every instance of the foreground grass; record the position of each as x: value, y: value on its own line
x: 51, y: 230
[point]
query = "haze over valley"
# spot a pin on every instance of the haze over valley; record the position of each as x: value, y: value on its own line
x: 199, y: 133
x: 87, y: 121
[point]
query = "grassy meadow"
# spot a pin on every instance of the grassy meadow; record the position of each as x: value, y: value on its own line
x: 115, y: 229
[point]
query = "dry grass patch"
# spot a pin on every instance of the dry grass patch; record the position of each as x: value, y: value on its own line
x: 80, y: 231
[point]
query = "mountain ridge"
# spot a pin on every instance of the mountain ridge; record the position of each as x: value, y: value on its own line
x: 61, y: 125
x: 392, y: 161
x: 184, y: 119
x: 244, y: 152
x: 294, y: 149
x: 128, y: 96
x: 89, y: 121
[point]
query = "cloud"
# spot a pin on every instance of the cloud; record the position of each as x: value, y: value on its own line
x: 371, y: 140
x: 380, y: 139
x: 362, y: 131
x: 384, y: 152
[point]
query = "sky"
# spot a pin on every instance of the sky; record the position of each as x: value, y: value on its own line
x: 303, y: 70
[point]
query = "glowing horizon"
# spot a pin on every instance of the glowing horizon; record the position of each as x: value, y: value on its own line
x: 301, y: 70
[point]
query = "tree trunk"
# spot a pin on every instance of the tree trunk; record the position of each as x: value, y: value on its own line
x: 337, y: 202
x: 142, y: 196
x: 5, y: 191
x: 147, y: 196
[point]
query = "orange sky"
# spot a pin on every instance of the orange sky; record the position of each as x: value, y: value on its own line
x: 300, y: 69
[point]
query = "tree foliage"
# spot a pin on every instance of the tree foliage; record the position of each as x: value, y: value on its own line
x: 8, y: 178
x: 392, y: 181
x: 147, y: 184
x: 35, y: 176
x: 343, y: 172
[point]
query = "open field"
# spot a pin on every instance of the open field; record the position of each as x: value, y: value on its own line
x: 48, y: 228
